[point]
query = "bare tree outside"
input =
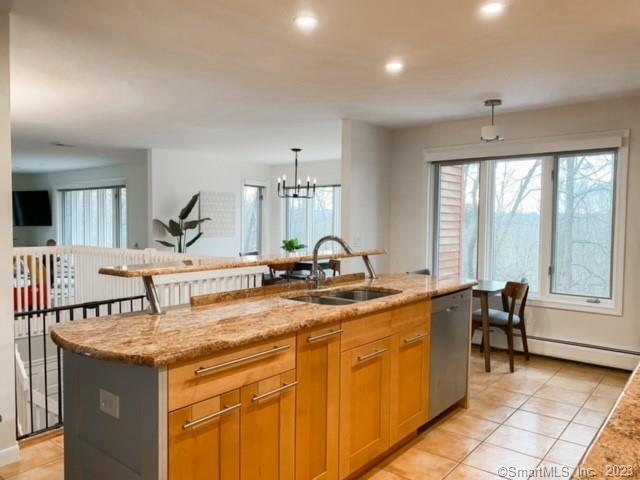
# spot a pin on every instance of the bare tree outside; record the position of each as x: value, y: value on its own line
x: 582, y: 221
x: 583, y: 224
x: 515, y: 244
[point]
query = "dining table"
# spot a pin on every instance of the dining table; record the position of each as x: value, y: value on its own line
x: 483, y: 290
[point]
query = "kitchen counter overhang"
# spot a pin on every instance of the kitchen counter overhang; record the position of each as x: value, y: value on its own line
x: 235, y: 319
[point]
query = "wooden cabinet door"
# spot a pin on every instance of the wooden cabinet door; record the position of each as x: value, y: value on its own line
x: 204, y: 440
x: 364, y: 404
x: 267, y: 428
x: 318, y: 403
x: 409, y: 381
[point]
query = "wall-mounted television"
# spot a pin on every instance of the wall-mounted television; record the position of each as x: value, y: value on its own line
x: 31, y: 209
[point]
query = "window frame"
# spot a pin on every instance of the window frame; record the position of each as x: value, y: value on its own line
x: 261, y: 191
x: 551, y: 268
x: 120, y: 231
x: 336, y: 220
x: 548, y: 149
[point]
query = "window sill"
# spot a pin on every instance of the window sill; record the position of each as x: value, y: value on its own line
x: 604, y: 308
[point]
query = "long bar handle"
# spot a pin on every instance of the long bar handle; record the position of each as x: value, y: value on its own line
x: 224, y: 411
x: 364, y: 358
x: 237, y: 361
x: 417, y: 338
x: 452, y: 308
x: 286, y: 386
x: 324, y: 336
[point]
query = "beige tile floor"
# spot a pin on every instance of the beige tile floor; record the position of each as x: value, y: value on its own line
x: 543, y: 415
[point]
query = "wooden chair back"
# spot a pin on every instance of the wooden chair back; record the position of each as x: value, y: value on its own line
x: 513, y: 293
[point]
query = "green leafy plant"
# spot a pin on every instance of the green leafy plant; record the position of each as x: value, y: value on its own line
x: 179, y: 228
x: 292, y: 245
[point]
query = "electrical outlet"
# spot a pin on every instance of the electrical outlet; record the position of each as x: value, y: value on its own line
x: 110, y: 403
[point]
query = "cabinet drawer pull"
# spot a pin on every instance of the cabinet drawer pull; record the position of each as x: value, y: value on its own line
x: 324, y: 336
x: 200, y: 421
x: 417, y: 338
x: 369, y: 356
x: 237, y: 361
x: 257, y: 397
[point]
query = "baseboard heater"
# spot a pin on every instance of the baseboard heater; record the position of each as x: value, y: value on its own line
x: 580, y: 344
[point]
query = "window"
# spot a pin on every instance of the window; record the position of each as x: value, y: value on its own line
x: 95, y: 217
x: 457, y: 240
x: 515, y: 222
x: 251, y: 220
x: 583, y: 224
x: 310, y: 220
x: 547, y: 220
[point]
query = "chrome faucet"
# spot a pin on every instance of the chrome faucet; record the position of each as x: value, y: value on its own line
x: 317, y: 273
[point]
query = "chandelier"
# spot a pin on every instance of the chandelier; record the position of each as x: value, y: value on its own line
x: 298, y: 190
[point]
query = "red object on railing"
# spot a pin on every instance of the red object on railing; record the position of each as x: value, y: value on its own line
x: 26, y: 296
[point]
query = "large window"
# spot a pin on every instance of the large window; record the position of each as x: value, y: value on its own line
x: 583, y: 224
x: 515, y: 220
x: 457, y: 239
x: 95, y: 217
x: 547, y: 220
x: 310, y: 220
x: 251, y: 220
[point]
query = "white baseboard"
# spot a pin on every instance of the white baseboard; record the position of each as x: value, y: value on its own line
x: 9, y: 455
x: 576, y: 353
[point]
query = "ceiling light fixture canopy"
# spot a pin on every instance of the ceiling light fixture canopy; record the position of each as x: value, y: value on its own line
x: 493, y: 132
x: 297, y: 191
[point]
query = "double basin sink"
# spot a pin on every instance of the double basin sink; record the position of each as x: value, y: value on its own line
x: 345, y: 297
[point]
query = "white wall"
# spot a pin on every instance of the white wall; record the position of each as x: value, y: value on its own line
x: 8, y: 446
x: 176, y: 175
x: 409, y: 205
x: 366, y: 168
x: 327, y: 172
x: 133, y: 174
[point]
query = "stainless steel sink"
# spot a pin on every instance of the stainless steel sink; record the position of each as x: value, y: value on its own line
x: 362, y: 295
x: 345, y: 297
x: 322, y: 300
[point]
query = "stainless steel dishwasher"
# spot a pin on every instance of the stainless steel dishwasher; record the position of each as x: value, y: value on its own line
x: 450, y: 317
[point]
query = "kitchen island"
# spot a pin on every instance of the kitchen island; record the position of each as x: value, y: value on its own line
x: 265, y: 383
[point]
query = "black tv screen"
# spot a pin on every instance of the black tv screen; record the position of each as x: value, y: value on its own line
x: 31, y: 209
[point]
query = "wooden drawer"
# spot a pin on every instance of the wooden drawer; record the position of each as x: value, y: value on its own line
x: 365, y: 329
x: 414, y: 315
x: 197, y: 380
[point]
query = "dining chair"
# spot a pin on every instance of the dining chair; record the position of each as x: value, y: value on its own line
x: 506, y: 319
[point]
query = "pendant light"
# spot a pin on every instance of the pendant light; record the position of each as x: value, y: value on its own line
x: 492, y: 133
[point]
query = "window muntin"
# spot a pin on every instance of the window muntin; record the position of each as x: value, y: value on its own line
x: 252, y: 197
x: 308, y: 220
x: 458, y: 188
x: 515, y: 221
x: 583, y: 220
x: 94, y: 217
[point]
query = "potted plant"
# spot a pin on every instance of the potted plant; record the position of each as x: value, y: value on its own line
x: 179, y: 228
x: 292, y: 245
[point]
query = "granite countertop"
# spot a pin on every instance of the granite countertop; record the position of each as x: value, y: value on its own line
x: 615, y: 452
x: 229, y: 320
x: 221, y: 263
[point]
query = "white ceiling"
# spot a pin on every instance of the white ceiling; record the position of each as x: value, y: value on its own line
x: 36, y: 157
x: 236, y: 77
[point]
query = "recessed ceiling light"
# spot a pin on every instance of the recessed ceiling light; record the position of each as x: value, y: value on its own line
x: 394, y: 67
x: 306, y: 22
x: 492, y: 9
